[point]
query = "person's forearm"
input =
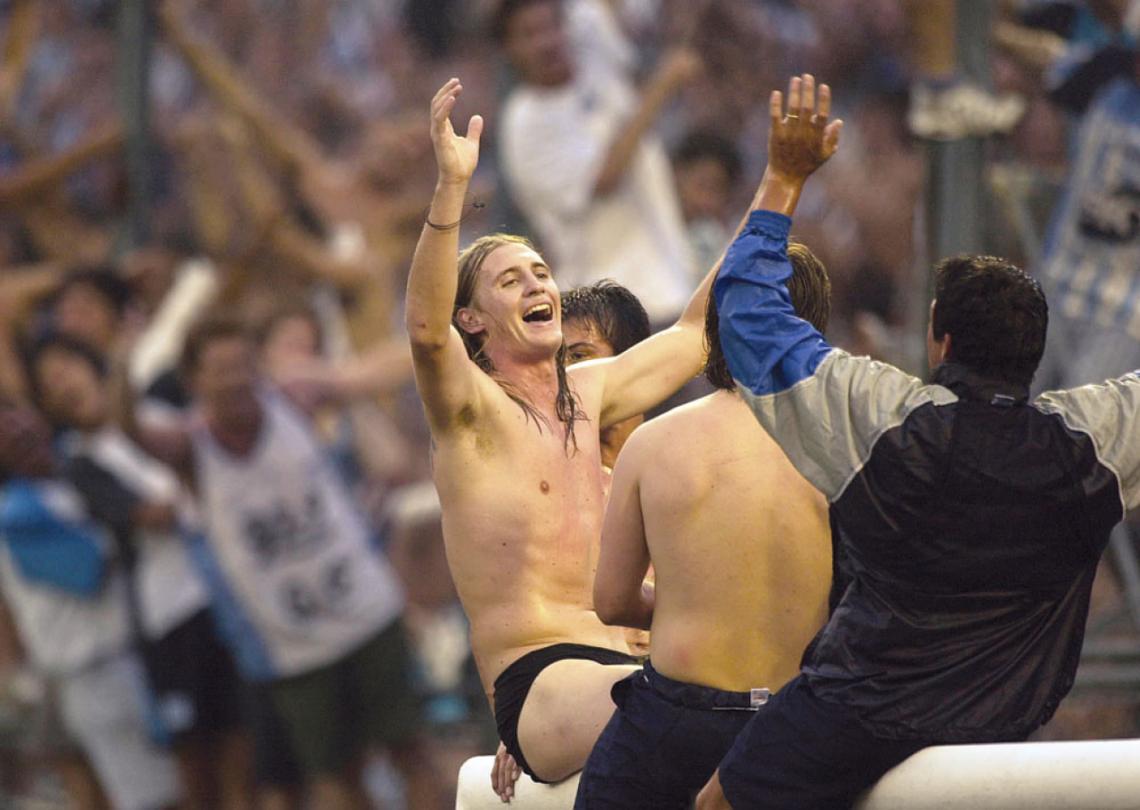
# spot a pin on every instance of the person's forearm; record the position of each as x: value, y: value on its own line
x: 61, y: 235
x: 433, y: 280
x: 777, y: 193
x: 385, y: 455
x: 634, y: 609
x: 22, y: 287
x: 621, y: 151
x: 643, y: 610
x: 23, y: 25
x: 377, y: 371
x: 316, y: 261
x: 28, y: 182
x: 285, y: 142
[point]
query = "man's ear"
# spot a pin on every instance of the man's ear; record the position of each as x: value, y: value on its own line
x: 944, y: 345
x: 470, y: 321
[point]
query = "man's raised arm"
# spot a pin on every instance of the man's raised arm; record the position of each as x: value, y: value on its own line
x: 654, y: 369
x: 823, y: 407
x: 445, y: 376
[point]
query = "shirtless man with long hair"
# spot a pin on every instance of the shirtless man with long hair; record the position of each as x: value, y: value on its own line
x: 516, y: 461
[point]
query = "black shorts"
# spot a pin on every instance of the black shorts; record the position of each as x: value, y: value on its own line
x: 196, y: 686
x: 663, y: 743
x: 803, y: 752
x: 513, y: 685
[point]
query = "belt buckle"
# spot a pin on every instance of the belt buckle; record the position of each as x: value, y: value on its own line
x: 758, y: 697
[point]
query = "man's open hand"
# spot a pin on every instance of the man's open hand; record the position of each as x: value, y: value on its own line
x: 802, y: 138
x: 455, y: 155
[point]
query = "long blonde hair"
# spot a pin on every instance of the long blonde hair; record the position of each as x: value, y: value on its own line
x: 471, y: 260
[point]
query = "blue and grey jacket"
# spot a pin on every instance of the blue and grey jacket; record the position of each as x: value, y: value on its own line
x: 968, y: 519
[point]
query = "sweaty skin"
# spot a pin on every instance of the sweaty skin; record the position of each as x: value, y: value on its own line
x: 739, y: 541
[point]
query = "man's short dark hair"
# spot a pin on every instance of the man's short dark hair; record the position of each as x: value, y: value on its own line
x: 995, y: 314
x: 810, y: 291
x: 500, y: 19
x: 611, y: 309
x: 701, y: 144
x: 211, y: 328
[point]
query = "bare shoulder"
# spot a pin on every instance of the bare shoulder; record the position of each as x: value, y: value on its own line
x: 680, y: 423
x: 653, y: 437
x: 588, y: 380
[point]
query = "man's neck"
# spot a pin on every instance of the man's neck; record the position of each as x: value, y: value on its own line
x: 536, y: 380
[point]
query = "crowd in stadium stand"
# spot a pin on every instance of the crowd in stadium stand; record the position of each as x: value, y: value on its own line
x: 188, y: 413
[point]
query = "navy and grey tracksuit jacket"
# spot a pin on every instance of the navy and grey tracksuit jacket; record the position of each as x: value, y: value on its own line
x: 969, y: 519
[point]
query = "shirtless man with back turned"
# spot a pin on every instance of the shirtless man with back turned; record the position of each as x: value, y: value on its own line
x: 741, y: 548
x: 517, y: 464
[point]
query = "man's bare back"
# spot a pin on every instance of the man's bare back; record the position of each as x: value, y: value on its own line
x: 739, y: 542
x: 740, y: 545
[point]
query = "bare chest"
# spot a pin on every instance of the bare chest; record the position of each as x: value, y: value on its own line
x: 522, y: 492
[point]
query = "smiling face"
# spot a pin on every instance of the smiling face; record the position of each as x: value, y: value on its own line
x: 515, y: 306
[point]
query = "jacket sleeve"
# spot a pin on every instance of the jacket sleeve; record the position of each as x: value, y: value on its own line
x: 1110, y: 414
x: 825, y: 408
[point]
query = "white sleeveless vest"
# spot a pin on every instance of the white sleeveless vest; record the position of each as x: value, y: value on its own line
x: 294, y: 577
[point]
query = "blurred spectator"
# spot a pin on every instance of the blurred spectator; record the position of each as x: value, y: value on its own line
x: 601, y: 320
x: 707, y: 166
x: 437, y: 629
x: 579, y: 155
x: 193, y: 678
x: 311, y: 610
x: 68, y: 597
x: 945, y: 104
x: 363, y: 439
x: 91, y: 305
x: 1091, y: 268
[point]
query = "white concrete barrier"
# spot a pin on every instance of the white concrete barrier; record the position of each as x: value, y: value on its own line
x: 1100, y: 775
x: 475, y: 790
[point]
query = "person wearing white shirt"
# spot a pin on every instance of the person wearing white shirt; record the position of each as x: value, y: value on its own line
x: 579, y: 154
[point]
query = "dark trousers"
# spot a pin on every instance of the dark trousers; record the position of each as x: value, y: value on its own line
x: 803, y: 752
x: 663, y: 743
